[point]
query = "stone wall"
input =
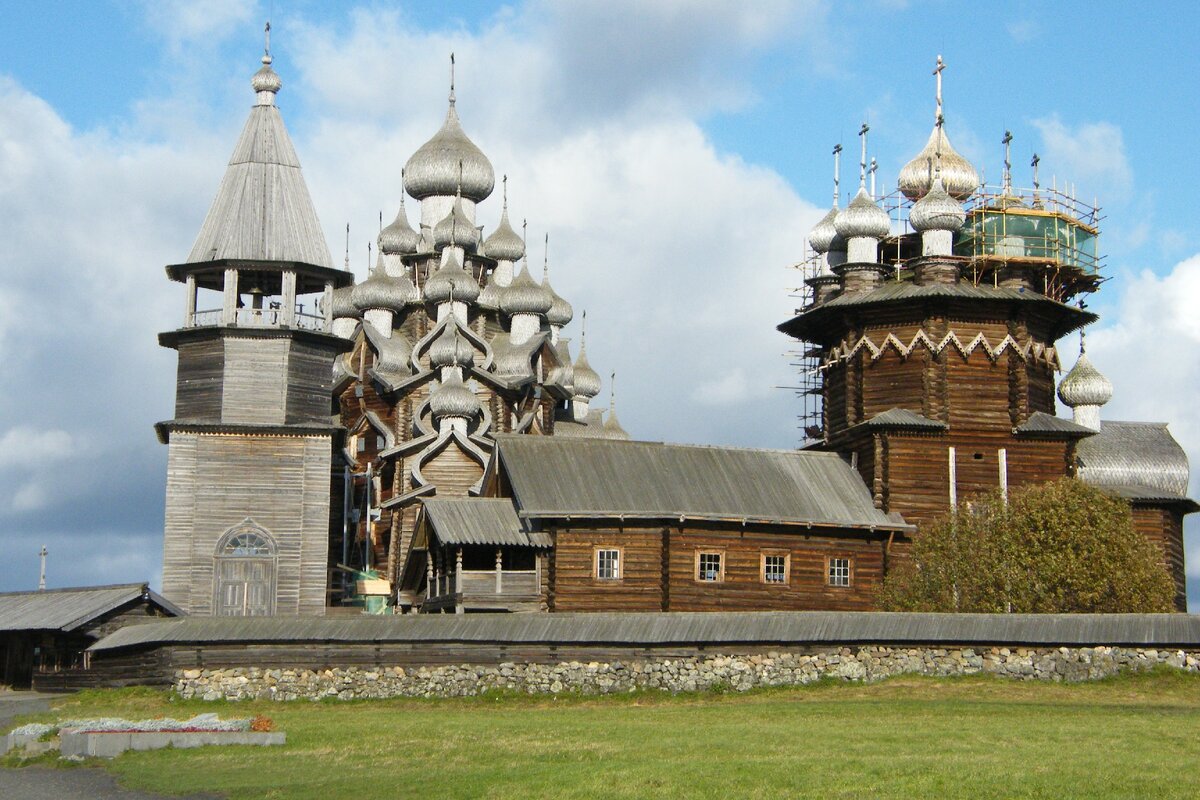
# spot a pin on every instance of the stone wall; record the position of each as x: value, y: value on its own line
x: 698, y: 673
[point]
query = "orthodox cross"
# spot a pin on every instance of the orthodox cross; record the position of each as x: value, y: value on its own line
x: 837, y: 160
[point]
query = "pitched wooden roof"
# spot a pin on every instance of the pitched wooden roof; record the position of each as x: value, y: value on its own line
x: 479, y: 520
x: 68, y: 609
x: 573, y: 477
x: 1139, y: 460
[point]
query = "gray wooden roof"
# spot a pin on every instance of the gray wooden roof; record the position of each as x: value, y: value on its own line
x: 262, y: 210
x: 712, y: 629
x: 553, y: 477
x: 68, y: 609
x: 478, y: 520
x: 1042, y: 424
x: 903, y: 418
x: 1134, y: 454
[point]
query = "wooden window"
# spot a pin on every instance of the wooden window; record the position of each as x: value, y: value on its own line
x: 608, y: 563
x: 838, y: 571
x: 775, y: 567
x: 710, y: 566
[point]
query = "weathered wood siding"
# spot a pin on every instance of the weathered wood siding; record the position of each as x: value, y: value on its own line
x: 659, y: 571
x: 214, y: 482
x: 309, y: 383
x: 255, y: 388
x: 574, y: 586
x: 199, y: 380
x: 1164, y: 527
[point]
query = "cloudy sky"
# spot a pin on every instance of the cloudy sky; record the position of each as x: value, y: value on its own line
x: 677, y: 153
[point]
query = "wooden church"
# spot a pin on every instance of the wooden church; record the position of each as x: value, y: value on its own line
x: 424, y: 441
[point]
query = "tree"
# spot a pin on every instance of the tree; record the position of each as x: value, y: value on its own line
x: 1057, y: 547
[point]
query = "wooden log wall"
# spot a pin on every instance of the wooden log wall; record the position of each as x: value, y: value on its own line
x: 574, y: 583
x: 1164, y: 527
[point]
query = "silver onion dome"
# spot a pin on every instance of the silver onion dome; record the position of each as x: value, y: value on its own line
x: 434, y: 168
x: 560, y: 312
x: 824, y: 233
x: 525, y: 296
x: 489, y: 296
x: 266, y: 79
x: 586, y: 382
x: 455, y: 228
x: 451, y: 350
x: 862, y: 218
x: 343, y: 304
x: 504, y: 244
x: 452, y: 398
x: 451, y: 280
x: 958, y: 176
x: 381, y: 291
x: 1084, y: 385
x: 399, y: 238
x: 937, y: 210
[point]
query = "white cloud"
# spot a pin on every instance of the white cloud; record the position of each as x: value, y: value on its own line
x: 29, y: 445
x: 1092, y: 153
x: 1149, y: 351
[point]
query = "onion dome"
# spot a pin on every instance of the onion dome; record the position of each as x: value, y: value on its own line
x: 525, y: 296
x: 560, y: 312
x: 937, y: 210
x: 958, y: 176
x: 451, y: 350
x: 862, y: 218
x: 504, y: 244
x: 824, y: 233
x: 586, y: 382
x: 266, y: 79
x: 399, y: 238
x: 489, y: 296
x: 452, y: 398
x: 451, y: 280
x: 456, y: 228
x: 343, y: 304
x: 381, y: 291
x: 1084, y: 385
x: 435, y: 168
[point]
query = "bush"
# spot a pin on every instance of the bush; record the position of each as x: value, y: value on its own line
x: 1058, y: 547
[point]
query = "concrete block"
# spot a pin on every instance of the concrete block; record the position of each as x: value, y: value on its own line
x: 110, y: 745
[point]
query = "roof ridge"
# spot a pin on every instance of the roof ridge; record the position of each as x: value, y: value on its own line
x: 105, y: 587
x: 625, y: 442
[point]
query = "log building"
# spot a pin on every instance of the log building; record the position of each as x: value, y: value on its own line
x: 425, y: 441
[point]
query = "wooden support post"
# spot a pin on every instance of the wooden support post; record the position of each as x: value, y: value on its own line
x: 953, y: 481
x: 458, y: 605
x: 229, y: 311
x: 287, y: 314
x: 499, y: 565
x: 428, y: 573
x: 327, y: 305
x: 1003, y: 458
x: 189, y: 316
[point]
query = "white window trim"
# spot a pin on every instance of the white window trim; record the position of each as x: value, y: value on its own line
x: 620, y: 563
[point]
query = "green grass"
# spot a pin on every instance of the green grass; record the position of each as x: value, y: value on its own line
x: 1131, y: 736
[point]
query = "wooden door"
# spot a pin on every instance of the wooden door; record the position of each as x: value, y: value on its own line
x: 245, y: 587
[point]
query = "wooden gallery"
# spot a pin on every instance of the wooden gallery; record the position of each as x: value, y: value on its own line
x: 426, y: 441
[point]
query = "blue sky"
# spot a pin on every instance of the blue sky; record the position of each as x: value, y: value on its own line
x: 676, y: 152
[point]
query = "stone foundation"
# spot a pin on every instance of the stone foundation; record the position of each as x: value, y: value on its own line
x: 697, y: 673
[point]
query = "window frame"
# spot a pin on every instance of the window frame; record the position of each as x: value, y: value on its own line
x: 829, y: 575
x: 719, y: 552
x: 786, y: 555
x: 620, y: 570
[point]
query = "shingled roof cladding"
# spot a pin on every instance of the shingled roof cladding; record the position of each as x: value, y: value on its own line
x: 1042, y: 424
x: 552, y: 477
x: 1135, y: 454
x: 483, y: 521
x: 68, y: 609
x: 262, y: 211
x: 814, y: 319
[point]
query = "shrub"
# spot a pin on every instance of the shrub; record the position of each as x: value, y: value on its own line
x: 1058, y: 547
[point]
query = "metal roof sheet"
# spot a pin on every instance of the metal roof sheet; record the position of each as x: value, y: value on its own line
x: 1134, y: 453
x: 553, y: 477
x: 67, y: 609
x: 681, y: 628
x: 478, y: 520
x: 262, y: 210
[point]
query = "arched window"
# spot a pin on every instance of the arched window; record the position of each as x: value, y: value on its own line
x: 244, y: 572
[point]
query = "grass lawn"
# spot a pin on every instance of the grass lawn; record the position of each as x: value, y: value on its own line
x: 1132, y: 736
